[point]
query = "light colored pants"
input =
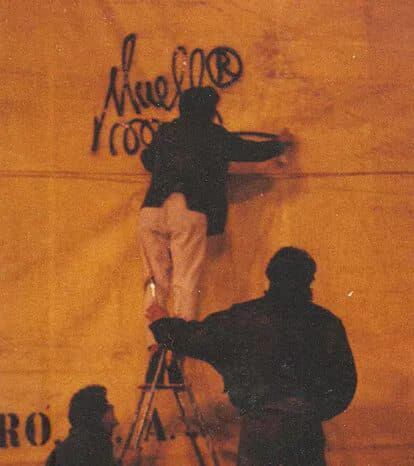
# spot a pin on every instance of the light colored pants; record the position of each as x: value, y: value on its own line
x: 174, y: 241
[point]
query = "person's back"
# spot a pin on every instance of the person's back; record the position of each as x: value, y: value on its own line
x: 191, y: 155
x: 190, y: 158
x: 267, y: 351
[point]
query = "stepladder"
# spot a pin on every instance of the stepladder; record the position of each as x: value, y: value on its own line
x: 168, y: 376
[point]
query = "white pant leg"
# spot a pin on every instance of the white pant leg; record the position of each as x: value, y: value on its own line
x: 188, y: 243
x: 155, y: 240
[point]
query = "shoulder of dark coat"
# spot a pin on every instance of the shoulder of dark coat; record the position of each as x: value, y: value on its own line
x: 236, y: 310
x: 219, y: 130
x: 219, y: 127
x: 323, y: 316
x: 66, y: 449
x: 247, y: 307
x: 166, y: 126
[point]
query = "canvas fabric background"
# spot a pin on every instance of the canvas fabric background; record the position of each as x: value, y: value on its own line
x: 337, y: 74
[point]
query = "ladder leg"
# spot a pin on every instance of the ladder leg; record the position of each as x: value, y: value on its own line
x: 148, y: 405
x: 143, y: 410
x: 201, y: 423
x: 190, y: 433
x: 127, y: 443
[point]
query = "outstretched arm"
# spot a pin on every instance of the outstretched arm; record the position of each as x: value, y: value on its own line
x: 196, y: 339
x: 241, y: 150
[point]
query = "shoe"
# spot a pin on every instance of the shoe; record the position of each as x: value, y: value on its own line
x: 152, y: 368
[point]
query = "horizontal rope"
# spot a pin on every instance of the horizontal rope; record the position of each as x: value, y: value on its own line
x: 137, y: 177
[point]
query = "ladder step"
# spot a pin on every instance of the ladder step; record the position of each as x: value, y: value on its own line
x: 169, y: 386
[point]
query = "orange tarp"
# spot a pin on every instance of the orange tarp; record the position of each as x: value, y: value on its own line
x: 337, y: 74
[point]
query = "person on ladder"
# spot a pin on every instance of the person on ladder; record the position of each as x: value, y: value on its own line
x: 186, y: 200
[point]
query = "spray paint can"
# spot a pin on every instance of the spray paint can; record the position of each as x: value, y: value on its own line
x: 152, y: 288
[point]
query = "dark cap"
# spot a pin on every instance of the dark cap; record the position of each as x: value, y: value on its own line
x: 199, y: 102
x: 291, y: 265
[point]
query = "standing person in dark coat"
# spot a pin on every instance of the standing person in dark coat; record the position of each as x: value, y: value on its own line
x: 89, y: 441
x: 186, y: 200
x: 285, y: 361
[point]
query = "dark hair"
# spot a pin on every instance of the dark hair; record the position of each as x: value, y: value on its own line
x: 199, y: 103
x: 87, y: 407
x: 291, y: 265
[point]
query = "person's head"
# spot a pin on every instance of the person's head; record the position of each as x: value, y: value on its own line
x: 89, y: 409
x: 291, y: 270
x: 198, y: 103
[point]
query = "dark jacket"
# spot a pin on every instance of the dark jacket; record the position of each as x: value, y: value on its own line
x: 192, y: 157
x: 83, y: 448
x: 266, y: 352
